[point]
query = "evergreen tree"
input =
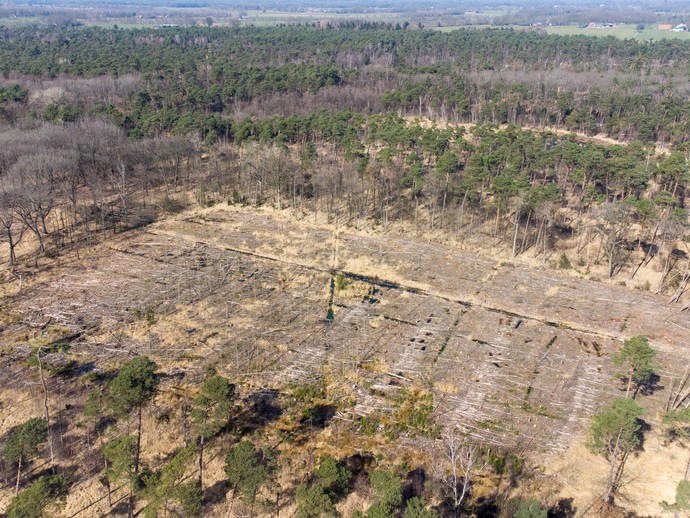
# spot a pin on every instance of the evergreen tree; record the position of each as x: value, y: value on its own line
x: 167, y: 486
x: 120, y: 455
x: 313, y: 502
x: 329, y: 483
x: 33, y: 501
x: 614, y: 434
x: 415, y: 509
x: 247, y: 469
x: 531, y: 509
x: 211, y: 411
x: 387, y: 488
x: 638, y: 358
x: 333, y: 477
x: 131, y: 390
x: 22, y: 442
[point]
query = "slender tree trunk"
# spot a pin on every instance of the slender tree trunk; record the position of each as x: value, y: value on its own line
x: 105, y: 466
x: 543, y: 241
x: 525, y: 232
x: 130, y: 510
x: 201, y: 461
x: 612, y: 469
x: 45, y: 408
x: 515, y: 235
x: 462, y: 212
x: 456, y: 495
x: 19, y: 474
x: 539, y: 233
x: 630, y: 380
x: 136, y: 456
x: 10, y: 241
x: 443, y: 210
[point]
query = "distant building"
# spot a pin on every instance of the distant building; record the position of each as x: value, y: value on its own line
x: 681, y: 28
x: 598, y: 25
x: 665, y: 27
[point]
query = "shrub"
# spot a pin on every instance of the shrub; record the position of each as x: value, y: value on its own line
x: 32, y: 502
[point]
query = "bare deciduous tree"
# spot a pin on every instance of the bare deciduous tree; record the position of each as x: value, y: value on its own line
x: 12, y: 225
x: 32, y: 178
x: 459, y: 462
x: 613, y: 224
x: 268, y: 165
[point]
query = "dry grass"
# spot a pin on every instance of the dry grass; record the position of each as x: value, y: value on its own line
x: 517, y: 354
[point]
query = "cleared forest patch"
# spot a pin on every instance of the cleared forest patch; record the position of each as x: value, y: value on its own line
x: 516, y: 357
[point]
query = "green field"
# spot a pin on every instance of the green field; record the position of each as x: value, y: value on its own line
x: 431, y: 20
x: 621, y: 31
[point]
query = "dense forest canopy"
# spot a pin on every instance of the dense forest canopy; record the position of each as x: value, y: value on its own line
x: 621, y: 88
x: 95, y: 51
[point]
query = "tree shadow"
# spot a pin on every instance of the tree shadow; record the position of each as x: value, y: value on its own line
x: 318, y: 416
x: 487, y: 507
x: 644, y: 430
x: 359, y: 465
x: 260, y: 408
x: 414, y: 485
x: 215, y: 494
x: 121, y: 508
x: 648, y: 387
x: 563, y: 509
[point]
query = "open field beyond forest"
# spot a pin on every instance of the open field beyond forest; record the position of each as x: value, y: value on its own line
x: 650, y: 32
x: 623, y: 31
x: 516, y: 356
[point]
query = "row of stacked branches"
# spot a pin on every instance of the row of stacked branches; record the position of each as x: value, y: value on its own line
x: 180, y: 80
x: 524, y: 191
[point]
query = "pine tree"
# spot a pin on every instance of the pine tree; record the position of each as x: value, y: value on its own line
x: 614, y: 434
x: 211, y: 412
x: 22, y: 442
x: 247, y: 470
x: 638, y: 357
x: 32, y: 502
x: 131, y: 390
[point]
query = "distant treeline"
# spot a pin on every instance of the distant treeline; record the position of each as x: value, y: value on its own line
x: 95, y: 51
x: 185, y: 78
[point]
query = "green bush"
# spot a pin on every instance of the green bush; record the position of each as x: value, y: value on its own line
x: 313, y: 502
x: 415, y: 509
x: 564, y: 262
x: 33, y: 501
x: 247, y: 470
x: 531, y: 509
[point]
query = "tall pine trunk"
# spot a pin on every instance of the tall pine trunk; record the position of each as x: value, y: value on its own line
x: 201, y: 460
x: 19, y: 474
x: 136, y: 455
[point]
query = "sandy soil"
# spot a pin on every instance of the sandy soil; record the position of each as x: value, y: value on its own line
x: 517, y: 356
